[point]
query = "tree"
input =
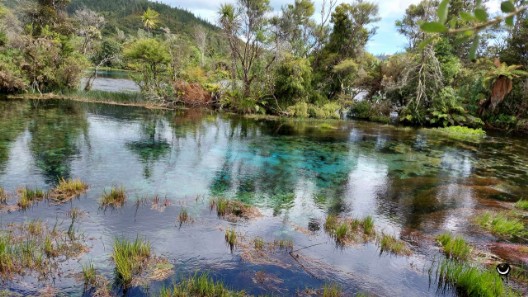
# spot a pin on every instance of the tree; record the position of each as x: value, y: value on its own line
x: 293, y: 80
x: 200, y: 36
x: 297, y: 27
x: 152, y: 59
x: 109, y: 51
x: 248, y: 22
x: 89, y: 25
x: 150, y: 19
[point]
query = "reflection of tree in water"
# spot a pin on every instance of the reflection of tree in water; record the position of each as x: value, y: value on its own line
x: 13, y: 121
x: 268, y: 169
x: 55, y: 129
x: 152, y: 146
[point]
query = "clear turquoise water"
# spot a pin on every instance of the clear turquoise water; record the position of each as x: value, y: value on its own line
x: 415, y: 184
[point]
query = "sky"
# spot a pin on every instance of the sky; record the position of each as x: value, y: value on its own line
x: 386, y: 41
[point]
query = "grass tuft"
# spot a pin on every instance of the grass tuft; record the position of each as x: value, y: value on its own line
x: 341, y: 233
x: 233, y: 210
x: 89, y: 275
x: 200, y: 285
x: 259, y: 243
x: 454, y: 247
x: 3, y: 196
x: 68, y: 189
x: 27, y: 197
x: 183, y: 217
x: 368, y: 225
x: 348, y: 230
x: 332, y: 290
x: 502, y: 224
x: 129, y: 257
x: 393, y: 245
x: 470, y: 280
x: 231, y: 238
x: 115, y: 198
x: 521, y: 204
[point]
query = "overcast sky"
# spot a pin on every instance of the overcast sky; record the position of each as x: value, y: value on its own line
x: 386, y: 41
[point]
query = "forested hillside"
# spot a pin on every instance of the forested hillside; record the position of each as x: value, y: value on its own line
x: 126, y: 15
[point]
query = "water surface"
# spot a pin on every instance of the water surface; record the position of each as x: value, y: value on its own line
x: 415, y: 185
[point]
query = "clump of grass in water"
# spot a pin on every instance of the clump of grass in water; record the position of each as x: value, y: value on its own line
x: 521, y: 204
x: 332, y: 290
x: 470, y: 280
x: 200, y: 285
x: 259, y: 243
x: 115, y: 198
x: 68, y: 189
x: 35, y: 227
x: 29, y: 196
x: 3, y: 196
x: 183, y: 217
x: 341, y: 233
x: 89, y: 275
x: 368, y: 225
x: 232, y: 209
x: 393, y: 245
x: 7, y: 261
x: 231, y: 238
x: 454, y: 247
x: 129, y: 258
x: 344, y: 230
x: 502, y: 224
x: 284, y: 244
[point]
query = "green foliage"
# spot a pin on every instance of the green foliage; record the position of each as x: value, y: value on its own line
x: 393, y: 245
x: 129, y: 258
x: 470, y: 280
x: 200, y: 285
x: 115, y: 198
x: 151, y: 58
x: 366, y: 110
x: 454, y: 247
x: 293, y: 80
x: 332, y: 290
x: 502, y: 224
x: 522, y: 204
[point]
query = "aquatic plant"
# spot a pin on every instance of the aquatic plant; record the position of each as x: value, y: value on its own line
x: 115, y: 198
x: 34, y: 227
x: 460, y: 133
x: 49, y: 250
x: 29, y: 196
x: 286, y: 244
x: 7, y: 255
x: 332, y: 290
x: 341, y: 233
x: 350, y: 229
x: 68, y: 189
x: 471, y: 280
x: 368, y: 225
x: 3, y: 196
x: 393, y: 245
x: 200, y: 285
x: 331, y: 223
x: 521, y: 204
x: 183, y: 217
x: 233, y: 210
x: 454, y: 247
x: 259, y: 243
x: 502, y: 224
x: 129, y: 257
x: 231, y: 238
x: 89, y: 275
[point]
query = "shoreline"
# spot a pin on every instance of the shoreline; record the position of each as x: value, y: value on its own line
x: 155, y: 106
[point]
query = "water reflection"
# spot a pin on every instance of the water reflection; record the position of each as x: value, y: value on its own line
x: 298, y: 171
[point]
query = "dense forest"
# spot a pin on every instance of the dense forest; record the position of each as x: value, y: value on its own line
x: 463, y: 66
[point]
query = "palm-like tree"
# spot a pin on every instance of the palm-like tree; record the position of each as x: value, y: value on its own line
x: 150, y: 19
x: 500, y: 80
